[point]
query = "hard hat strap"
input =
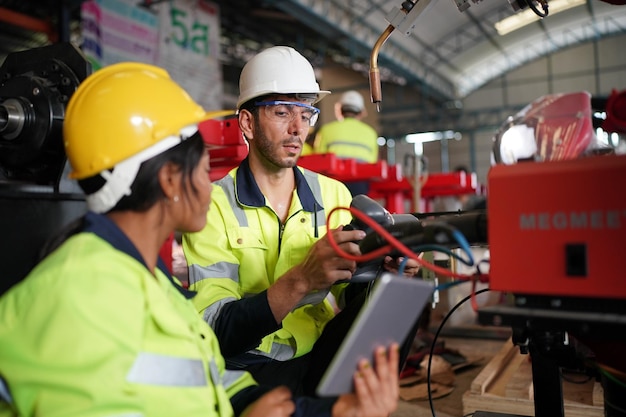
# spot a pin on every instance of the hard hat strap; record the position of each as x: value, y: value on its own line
x: 119, y: 180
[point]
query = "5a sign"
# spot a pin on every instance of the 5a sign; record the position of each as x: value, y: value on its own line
x: 188, y: 33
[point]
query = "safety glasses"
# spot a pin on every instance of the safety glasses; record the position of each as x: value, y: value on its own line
x: 287, y: 111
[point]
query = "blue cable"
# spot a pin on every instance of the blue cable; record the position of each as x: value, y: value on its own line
x: 402, y: 266
x: 464, y: 244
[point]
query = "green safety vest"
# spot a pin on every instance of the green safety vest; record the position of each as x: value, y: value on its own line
x: 91, y: 332
x: 348, y: 138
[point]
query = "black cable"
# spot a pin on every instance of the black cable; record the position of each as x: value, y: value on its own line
x: 544, y: 6
x: 614, y: 407
x: 432, y: 346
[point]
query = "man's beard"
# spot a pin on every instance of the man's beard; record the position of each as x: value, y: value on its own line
x: 269, y: 150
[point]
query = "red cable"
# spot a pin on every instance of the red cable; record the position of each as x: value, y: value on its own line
x: 393, y: 244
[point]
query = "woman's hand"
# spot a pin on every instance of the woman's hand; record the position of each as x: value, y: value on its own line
x: 275, y: 403
x: 376, y: 390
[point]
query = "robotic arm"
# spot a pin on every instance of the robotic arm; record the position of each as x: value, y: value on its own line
x: 404, y: 19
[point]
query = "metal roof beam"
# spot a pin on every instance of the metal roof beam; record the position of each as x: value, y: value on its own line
x: 331, y: 17
x: 537, y: 47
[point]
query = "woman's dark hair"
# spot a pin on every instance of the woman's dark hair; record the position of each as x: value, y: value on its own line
x: 146, y: 190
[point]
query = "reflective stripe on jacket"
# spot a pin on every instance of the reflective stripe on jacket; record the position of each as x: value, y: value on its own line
x: 91, y: 332
x: 244, y: 248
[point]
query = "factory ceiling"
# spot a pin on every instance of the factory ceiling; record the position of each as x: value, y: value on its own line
x: 447, y: 50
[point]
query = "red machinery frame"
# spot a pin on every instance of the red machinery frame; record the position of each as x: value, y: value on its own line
x: 228, y: 148
x: 556, y: 228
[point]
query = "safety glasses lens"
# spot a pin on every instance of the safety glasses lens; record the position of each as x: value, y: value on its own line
x: 287, y: 111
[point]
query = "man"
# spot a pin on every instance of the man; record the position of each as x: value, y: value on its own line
x: 350, y: 137
x: 263, y: 265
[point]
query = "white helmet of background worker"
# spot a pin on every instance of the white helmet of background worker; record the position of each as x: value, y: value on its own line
x: 352, y: 101
x: 278, y: 70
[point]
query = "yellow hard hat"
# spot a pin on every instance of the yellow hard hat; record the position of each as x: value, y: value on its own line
x: 121, y: 110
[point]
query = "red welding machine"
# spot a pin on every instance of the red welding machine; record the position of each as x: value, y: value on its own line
x: 559, y: 228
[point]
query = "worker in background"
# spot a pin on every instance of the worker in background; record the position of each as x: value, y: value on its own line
x: 263, y: 264
x: 99, y: 327
x: 350, y: 137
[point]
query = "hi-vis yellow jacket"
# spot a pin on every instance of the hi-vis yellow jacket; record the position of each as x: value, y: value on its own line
x: 244, y: 248
x: 348, y: 138
x: 91, y: 332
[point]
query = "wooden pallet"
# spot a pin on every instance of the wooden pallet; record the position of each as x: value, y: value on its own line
x: 505, y: 386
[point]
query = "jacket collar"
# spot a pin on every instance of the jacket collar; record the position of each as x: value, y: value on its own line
x: 108, y: 231
x: 249, y: 194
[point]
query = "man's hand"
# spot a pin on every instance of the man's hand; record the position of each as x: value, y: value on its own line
x: 321, y: 268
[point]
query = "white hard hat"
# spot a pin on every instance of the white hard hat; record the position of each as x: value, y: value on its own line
x: 352, y: 101
x: 278, y: 70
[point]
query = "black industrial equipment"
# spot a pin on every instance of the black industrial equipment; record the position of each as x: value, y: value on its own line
x: 36, y: 198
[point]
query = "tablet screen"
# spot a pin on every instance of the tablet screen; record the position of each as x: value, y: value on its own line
x: 390, y: 312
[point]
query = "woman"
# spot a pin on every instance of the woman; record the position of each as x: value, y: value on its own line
x: 99, y: 327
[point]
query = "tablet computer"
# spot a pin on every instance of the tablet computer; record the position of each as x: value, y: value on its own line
x: 390, y: 312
